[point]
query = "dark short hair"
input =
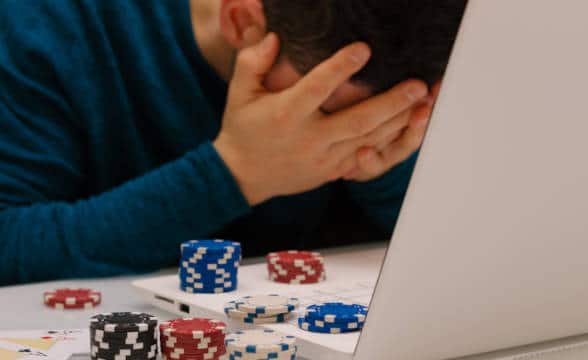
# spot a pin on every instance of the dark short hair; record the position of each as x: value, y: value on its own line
x: 408, y: 38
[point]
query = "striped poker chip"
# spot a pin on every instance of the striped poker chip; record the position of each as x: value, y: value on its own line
x: 328, y: 328
x: 295, y: 258
x: 197, y: 328
x: 192, y: 338
x: 259, y: 342
x: 336, y: 312
x: 268, y: 305
x: 123, y: 322
x: 209, y: 266
x: 214, y: 246
x: 67, y: 298
x: 284, y: 355
x: 297, y: 279
x: 286, y: 270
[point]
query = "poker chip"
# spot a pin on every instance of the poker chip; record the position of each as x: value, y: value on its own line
x: 196, y: 328
x: 209, y: 266
x: 336, y: 312
x: 296, y: 267
x: 66, y: 298
x: 192, y: 339
x: 297, y: 279
x: 295, y: 258
x: 261, y: 309
x: 328, y: 328
x: 260, y: 344
x: 272, y: 304
x: 123, y: 322
x: 123, y: 335
x: 286, y: 355
x: 333, y: 317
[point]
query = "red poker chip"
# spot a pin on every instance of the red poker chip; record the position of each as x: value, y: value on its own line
x: 192, y: 357
x: 192, y: 344
x: 72, y: 298
x: 285, y: 270
x: 194, y: 348
x: 182, y: 339
x: 301, y: 279
x: 218, y: 350
x: 196, y: 328
x: 295, y: 258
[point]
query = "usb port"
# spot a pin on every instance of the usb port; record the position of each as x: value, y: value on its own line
x: 184, y: 308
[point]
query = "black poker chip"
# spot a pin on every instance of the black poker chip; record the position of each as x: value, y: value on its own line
x: 127, y: 353
x: 114, y: 346
x: 143, y: 337
x: 123, y: 335
x: 122, y: 322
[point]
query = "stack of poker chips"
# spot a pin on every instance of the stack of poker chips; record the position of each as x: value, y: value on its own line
x: 123, y: 335
x: 209, y: 266
x: 333, y: 318
x: 262, y: 309
x: 260, y: 345
x: 296, y: 267
x: 192, y: 339
x: 72, y: 298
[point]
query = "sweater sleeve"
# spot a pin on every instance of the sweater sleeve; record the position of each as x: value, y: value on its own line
x: 381, y: 199
x: 50, y: 229
x: 135, y: 227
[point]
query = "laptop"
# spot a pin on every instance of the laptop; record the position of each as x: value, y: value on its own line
x: 491, y: 248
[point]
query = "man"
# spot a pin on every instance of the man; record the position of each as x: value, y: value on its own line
x: 119, y: 138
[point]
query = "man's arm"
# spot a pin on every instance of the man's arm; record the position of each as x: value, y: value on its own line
x: 47, y: 230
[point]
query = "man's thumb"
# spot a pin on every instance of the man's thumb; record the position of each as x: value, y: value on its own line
x: 253, y: 63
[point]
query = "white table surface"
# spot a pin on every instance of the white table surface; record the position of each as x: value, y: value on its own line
x: 22, y: 308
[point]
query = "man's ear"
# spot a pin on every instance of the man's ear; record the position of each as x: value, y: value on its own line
x: 242, y: 22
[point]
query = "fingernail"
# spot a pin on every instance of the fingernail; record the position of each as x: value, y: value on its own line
x: 416, y: 92
x: 360, y: 55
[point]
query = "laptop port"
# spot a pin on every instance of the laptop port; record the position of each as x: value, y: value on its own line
x: 184, y: 308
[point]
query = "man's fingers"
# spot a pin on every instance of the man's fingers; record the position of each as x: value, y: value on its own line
x: 368, y: 115
x: 253, y: 64
x: 310, y: 92
x: 371, y: 162
x: 402, y: 149
x: 388, y: 131
x: 347, y: 166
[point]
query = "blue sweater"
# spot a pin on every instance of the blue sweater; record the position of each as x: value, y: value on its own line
x: 107, y: 113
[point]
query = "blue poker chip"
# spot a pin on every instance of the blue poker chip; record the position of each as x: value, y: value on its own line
x: 211, y: 246
x: 336, y: 312
x: 208, y: 289
x: 209, y: 266
x: 329, y: 328
x: 207, y: 274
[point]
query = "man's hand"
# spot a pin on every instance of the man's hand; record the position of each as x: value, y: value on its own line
x: 379, y: 156
x: 281, y: 143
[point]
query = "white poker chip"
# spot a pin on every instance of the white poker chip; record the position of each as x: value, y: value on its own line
x: 267, y: 304
x: 285, y: 355
x: 259, y: 342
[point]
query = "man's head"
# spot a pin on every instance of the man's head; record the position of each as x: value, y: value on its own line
x: 408, y: 39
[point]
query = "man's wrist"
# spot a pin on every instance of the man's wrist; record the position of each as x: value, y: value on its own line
x: 249, y: 186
